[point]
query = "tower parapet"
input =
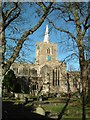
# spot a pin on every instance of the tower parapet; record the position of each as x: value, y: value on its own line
x: 46, y: 51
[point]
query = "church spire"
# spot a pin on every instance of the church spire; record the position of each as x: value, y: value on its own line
x: 46, y: 36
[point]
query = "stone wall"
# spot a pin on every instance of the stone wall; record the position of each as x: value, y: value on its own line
x: 48, y: 76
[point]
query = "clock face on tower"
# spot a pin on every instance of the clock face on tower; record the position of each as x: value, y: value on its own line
x: 49, y: 58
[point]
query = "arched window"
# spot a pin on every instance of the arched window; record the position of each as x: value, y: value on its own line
x: 48, y: 51
x: 56, y: 81
x: 53, y: 77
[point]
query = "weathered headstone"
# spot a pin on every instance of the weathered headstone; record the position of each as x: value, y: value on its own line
x: 16, y: 95
x: 36, y: 92
x: 40, y: 110
x: 26, y: 100
x: 58, y: 95
x: 40, y: 99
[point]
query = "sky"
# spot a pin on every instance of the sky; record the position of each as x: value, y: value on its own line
x: 27, y: 20
x: 45, y: 0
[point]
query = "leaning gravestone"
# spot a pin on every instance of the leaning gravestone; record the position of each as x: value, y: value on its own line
x: 40, y: 98
x: 40, y: 110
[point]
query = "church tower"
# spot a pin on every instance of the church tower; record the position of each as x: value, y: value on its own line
x: 46, y: 51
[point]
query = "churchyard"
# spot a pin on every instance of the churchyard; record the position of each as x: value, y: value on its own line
x: 25, y: 105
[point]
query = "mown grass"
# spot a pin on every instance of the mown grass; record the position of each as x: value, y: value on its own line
x: 55, y: 106
x: 72, y: 112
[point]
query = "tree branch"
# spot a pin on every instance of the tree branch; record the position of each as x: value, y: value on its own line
x: 23, y: 38
x: 69, y: 19
x: 69, y: 57
x: 41, y: 4
x: 86, y: 20
x: 87, y: 26
x: 11, y: 10
x: 61, y: 30
x: 14, y: 17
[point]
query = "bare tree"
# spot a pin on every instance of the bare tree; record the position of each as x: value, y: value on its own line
x: 76, y: 15
x: 7, y: 18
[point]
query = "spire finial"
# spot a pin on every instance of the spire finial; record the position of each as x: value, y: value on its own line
x: 46, y: 36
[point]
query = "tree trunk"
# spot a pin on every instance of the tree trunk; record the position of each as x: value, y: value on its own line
x: 2, y: 49
x: 89, y: 82
x: 83, y: 75
x: 88, y: 57
x: 88, y: 67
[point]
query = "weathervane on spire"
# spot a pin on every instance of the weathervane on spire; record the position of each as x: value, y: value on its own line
x: 46, y: 36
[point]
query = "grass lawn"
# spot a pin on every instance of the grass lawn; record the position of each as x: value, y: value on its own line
x: 73, y: 110
x: 53, y: 108
x: 55, y: 105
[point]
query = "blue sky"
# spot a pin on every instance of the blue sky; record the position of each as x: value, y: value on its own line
x: 27, y: 20
x: 63, y: 52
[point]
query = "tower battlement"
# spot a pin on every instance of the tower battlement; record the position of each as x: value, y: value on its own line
x: 46, y: 51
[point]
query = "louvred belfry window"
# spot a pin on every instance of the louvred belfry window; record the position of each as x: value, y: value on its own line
x: 48, y: 51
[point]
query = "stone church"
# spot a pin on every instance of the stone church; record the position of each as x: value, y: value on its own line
x: 47, y: 74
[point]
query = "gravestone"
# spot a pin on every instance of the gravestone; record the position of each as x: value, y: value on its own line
x: 26, y: 100
x: 40, y: 110
x: 16, y: 96
x: 41, y: 98
x: 21, y: 96
x: 58, y: 95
